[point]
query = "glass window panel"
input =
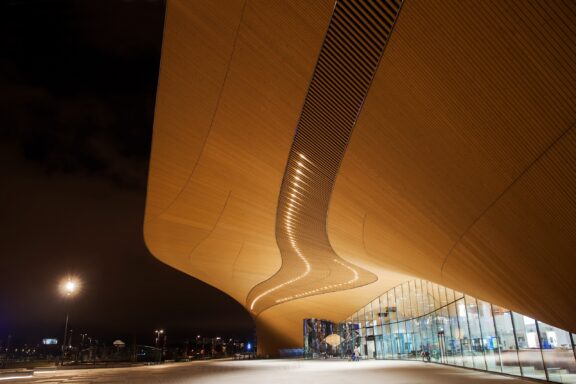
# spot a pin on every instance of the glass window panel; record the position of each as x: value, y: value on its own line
x: 407, y: 311
x: 369, y: 331
x: 455, y: 343
x: 437, y: 301
x: 363, y: 348
x: 416, y: 339
x: 506, y: 340
x: 445, y: 336
x: 375, y: 309
x: 384, y: 309
x: 399, y: 303
x: 370, y: 350
x: 458, y: 295
x: 431, y: 298
x: 430, y: 336
x: 424, y: 298
x: 420, y: 297
x: 401, y: 340
x: 413, y: 300
x: 529, y: 352
x: 574, y: 343
x: 450, y: 295
x: 427, y: 288
x: 476, y: 343
x: 387, y: 338
x: 436, y: 323
x: 378, y: 341
x: 392, y: 306
x: 417, y: 301
x: 409, y: 340
x: 377, y: 312
x: 434, y: 295
x: 467, y: 352
x: 489, y: 338
x: 361, y: 322
x: 368, y: 315
x: 557, y: 353
x: 442, y: 294
x: 378, y: 329
x: 394, y: 338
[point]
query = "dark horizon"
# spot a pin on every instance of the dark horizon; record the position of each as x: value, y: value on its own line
x: 78, y: 90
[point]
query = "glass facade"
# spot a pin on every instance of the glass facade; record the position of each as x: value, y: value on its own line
x: 420, y: 318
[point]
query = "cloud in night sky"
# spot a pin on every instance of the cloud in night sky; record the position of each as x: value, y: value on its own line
x: 77, y: 90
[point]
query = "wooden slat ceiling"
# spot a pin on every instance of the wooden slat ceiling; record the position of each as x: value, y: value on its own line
x: 460, y: 170
x: 347, y: 62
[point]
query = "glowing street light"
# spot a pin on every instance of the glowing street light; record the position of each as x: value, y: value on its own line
x: 68, y: 288
x: 160, y: 347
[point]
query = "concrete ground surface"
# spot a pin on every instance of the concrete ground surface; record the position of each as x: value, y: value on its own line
x: 275, y: 372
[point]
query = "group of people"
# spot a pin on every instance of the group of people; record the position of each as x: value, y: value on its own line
x: 354, y: 355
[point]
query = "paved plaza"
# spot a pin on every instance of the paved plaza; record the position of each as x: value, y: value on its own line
x: 275, y: 372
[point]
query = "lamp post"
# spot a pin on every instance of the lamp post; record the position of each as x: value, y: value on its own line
x: 159, y: 333
x: 69, y: 287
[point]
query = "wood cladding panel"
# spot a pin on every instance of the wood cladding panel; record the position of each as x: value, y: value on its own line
x: 353, y: 46
x: 471, y: 100
x: 217, y: 223
x: 460, y: 169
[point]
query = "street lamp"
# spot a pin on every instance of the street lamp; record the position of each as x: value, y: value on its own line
x: 159, y: 332
x: 68, y: 288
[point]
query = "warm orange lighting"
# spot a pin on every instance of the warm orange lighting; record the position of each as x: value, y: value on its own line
x: 69, y: 286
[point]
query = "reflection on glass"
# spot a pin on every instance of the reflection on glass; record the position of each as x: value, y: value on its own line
x: 529, y: 353
x: 557, y: 353
x: 420, y: 319
x: 506, y: 340
x: 476, y: 342
x: 445, y: 337
x: 392, y: 315
x: 450, y: 295
x: 455, y: 330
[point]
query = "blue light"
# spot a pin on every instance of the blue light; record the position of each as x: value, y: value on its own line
x: 249, y: 346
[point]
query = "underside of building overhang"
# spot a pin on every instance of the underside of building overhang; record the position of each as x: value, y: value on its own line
x: 458, y: 165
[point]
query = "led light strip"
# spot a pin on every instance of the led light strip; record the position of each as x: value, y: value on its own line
x: 326, y: 287
x: 353, y: 46
x: 289, y: 216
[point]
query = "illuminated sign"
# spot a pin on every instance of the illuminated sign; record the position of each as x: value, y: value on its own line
x: 49, y: 341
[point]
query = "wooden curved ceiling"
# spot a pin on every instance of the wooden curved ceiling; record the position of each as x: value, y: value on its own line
x: 461, y: 169
x: 344, y: 71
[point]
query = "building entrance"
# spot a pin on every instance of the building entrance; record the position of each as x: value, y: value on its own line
x: 370, y: 349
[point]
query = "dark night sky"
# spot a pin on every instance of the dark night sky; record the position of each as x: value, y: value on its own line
x: 77, y: 89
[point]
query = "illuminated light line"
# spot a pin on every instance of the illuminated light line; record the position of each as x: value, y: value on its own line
x: 329, y: 154
x: 300, y: 173
x: 297, y: 191
x: 15, y: 377
x: 301, y: 167
x: 293, y: 196
x: 306, y: 160
x: 289, y: 223
x: 291, y: 204
x: 299, y: 180
x: 308, y: 269
x: 326, y: 287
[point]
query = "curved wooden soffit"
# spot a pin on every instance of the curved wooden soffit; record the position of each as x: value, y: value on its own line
x: 351, y: 52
